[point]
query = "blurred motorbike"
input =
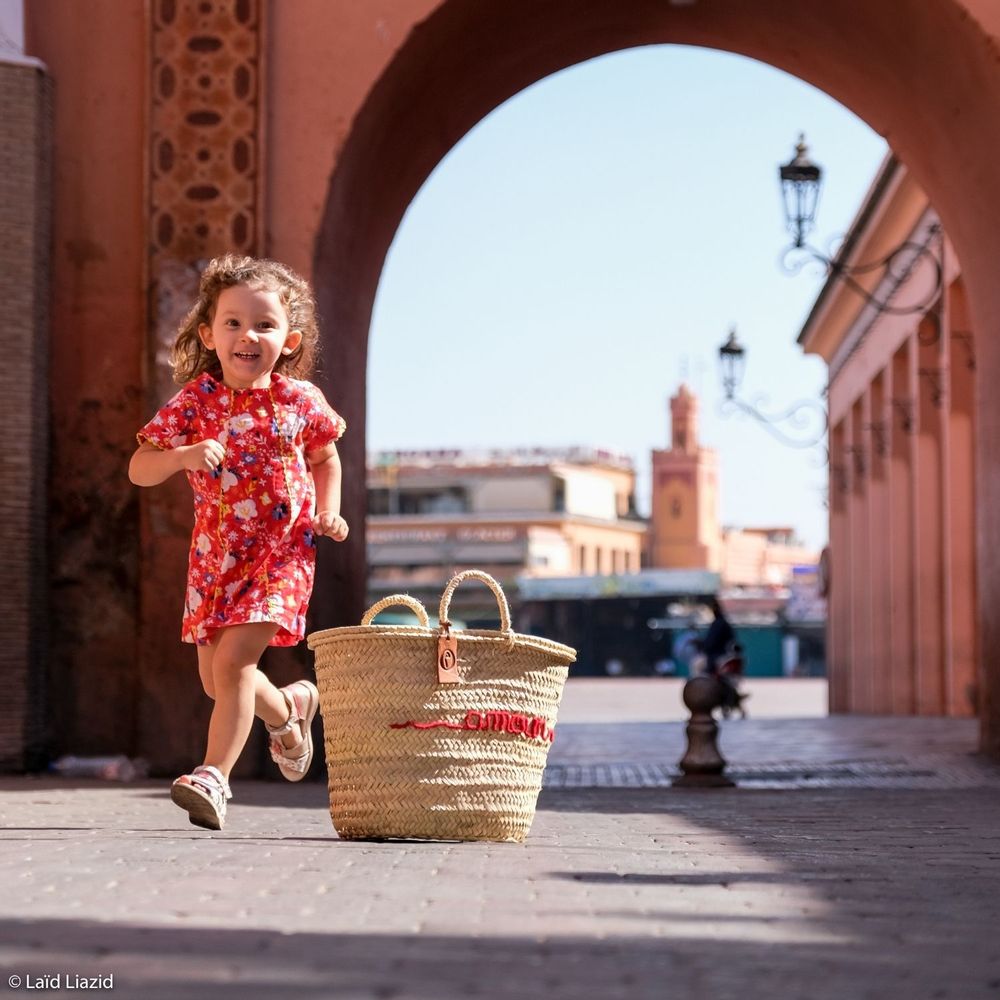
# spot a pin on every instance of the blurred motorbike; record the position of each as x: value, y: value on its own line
x: 729, y: 669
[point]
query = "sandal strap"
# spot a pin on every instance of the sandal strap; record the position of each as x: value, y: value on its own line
x: 293, y: 717
x: 279, y: 755
x: 212, y: 780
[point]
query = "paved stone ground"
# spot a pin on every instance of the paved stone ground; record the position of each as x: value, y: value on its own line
x: 875, y: 887
x: 640, y: 699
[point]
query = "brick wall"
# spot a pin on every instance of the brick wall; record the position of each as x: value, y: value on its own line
x: 25, y: 213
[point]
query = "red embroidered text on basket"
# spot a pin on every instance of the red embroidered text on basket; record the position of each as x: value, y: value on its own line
x: 498, y: 722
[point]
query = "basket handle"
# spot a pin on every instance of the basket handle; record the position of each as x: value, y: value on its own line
x: 393, y: 599
x: 474, y: 574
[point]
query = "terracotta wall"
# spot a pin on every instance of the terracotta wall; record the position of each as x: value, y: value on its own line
x: 98, y: 319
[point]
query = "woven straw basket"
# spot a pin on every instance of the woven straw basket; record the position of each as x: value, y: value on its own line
x: 433, y: 734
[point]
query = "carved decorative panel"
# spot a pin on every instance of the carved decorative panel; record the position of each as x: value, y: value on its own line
x: 205, y: 146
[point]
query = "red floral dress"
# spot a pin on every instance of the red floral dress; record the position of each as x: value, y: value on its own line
x: 253, y: 554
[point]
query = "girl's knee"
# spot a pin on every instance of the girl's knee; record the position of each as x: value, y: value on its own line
x: 238, y: 649
x: 208, y: 684
x: 229, y: 672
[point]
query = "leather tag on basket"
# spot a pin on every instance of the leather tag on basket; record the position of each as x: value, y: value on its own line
x: 447, y: 660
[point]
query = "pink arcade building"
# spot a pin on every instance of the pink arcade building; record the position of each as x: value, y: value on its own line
x: 904, y: 386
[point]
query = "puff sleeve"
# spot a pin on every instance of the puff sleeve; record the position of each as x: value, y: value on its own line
x: 323, y: 424
x: 174, y: 424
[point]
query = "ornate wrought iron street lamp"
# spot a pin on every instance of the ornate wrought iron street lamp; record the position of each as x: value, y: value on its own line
x: 732, y: 361
x: 806, y: 419
x: 801, y: 182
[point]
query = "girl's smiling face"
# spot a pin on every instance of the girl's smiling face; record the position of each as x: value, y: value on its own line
x: 249, y: 333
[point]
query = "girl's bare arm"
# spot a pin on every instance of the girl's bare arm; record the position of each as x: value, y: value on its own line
x: 151, y: 466
x: 327, y: 473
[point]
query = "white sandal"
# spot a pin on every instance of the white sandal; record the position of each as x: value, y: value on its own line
x: 303, y: 701
x: 203, y: 793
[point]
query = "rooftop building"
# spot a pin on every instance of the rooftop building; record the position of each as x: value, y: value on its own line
x: 511, y: 512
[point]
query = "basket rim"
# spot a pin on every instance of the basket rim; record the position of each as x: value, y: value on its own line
x: 486, y: 636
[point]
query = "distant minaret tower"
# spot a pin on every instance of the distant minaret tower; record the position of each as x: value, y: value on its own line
x: 684, y: 422
x: 684, y: 529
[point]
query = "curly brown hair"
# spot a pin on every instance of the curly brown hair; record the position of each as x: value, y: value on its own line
x: 191, y: 358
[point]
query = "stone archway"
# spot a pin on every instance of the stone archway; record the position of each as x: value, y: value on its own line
x: 354, y: 109
x: 924, y: 73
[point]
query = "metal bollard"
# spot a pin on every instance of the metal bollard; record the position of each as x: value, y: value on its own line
x: 702, y: 763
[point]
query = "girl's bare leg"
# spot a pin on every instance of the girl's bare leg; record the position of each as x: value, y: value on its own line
x: 269, y: 702
x: 234, y: 671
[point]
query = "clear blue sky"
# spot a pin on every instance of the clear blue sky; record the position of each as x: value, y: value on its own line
x: 592, y: 240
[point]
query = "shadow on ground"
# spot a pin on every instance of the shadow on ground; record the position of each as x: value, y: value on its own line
x: 160, y: 962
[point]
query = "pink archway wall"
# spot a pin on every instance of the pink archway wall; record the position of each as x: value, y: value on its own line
x: 360, y: 106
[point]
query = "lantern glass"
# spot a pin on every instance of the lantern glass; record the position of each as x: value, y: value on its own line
x: 801, y: 180
x: 732, y: 359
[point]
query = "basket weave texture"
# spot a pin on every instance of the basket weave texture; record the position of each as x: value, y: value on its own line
x: 409, y: 756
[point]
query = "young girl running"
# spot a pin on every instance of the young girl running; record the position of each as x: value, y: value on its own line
x: 257, y: 444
